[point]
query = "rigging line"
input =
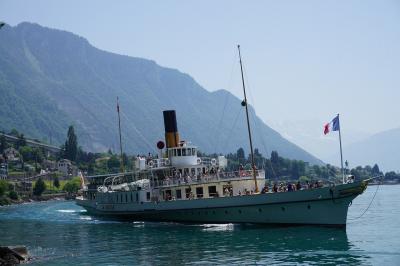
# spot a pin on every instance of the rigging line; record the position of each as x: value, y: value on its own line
x: 258, y: 124
x: 369, y: 205
x: 233, y: 126
x: 132, y: 124
x: 264, y: 145
x: 218, y: 128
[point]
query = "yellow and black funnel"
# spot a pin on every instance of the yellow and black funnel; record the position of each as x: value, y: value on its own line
x: 171, y: 129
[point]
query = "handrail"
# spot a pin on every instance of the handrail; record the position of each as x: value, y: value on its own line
x: 200, y: 179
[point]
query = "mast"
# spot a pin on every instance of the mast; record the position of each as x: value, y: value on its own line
x: 120, y: 138
x: 253, y: 165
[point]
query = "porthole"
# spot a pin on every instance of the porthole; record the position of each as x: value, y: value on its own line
x: 226, y: 212
x: 259, y: 210
x: 308, y: 207
x: 213, y: 212
x: 240, y: 211
x: 283, y: 209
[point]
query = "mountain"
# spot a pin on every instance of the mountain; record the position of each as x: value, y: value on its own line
x: 51, y: 78
x: 382, y: 148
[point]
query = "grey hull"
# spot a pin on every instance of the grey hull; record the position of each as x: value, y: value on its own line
x: 323, y: 206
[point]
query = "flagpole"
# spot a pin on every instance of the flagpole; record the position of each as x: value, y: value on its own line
x: 341, y: 153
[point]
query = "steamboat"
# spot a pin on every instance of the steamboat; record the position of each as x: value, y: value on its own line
x: 183, y: 187
x: 180, y: 186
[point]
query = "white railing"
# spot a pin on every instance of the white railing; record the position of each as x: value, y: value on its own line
x: 165, y: 162
x: 200, y: 179
x: 157, y: 163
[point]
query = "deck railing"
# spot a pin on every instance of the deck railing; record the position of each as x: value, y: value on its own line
x: 200, y: 179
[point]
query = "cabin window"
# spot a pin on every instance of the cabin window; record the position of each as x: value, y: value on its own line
x: 189, y: 152
x: 183, y: 152
x: 126, y: 197
x: 186, y: 171
x: 178, y: 194
x: 187, y: 192
x: 168, y: 195
x: 131, y: 197
x: 199, y: 192
x: 174, y: 152
x: 148, y: 195
x: 212, y: 191
x: 193, y: 171
x: 193, y: 151
x: 137, y: 196
x: 179, y: 152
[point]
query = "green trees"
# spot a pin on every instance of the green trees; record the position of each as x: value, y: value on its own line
x: 73, y: 185
x: 240, y: 155
x: 375, y: 170
x: 3, y: 187
x: 39, y: 188
x: 113, y: 164
x: 3, y: 144
x: 21, y: 141
x: 12, y: 194
x: 71, y: 145
x: 56, y: 182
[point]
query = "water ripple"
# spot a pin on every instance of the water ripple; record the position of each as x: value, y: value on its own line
x: 61, y: 233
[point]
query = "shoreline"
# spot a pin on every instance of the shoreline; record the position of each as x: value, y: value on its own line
x: 46, y: 197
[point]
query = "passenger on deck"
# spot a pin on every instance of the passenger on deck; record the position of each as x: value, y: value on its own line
x: 289, y: 187
x: 168, y: 197
x: 230, y: 192
x: 264, y: 190
x: 226, y: 192
x: 298, y: 185
x: 275, y: 188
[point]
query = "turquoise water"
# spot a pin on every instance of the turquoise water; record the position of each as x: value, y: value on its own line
x: 61, y: 233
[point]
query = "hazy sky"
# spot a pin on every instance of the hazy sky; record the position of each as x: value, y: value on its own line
x: 305, y: 60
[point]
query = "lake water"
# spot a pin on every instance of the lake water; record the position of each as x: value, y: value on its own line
x: 61, y: 233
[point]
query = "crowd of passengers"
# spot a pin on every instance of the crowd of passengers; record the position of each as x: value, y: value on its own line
x: 179, y: 178
x: 291, y: 187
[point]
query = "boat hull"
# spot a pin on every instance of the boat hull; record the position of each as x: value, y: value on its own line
x: 323, y: 206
